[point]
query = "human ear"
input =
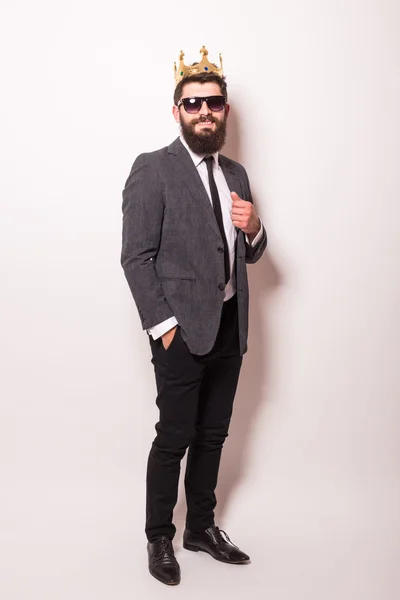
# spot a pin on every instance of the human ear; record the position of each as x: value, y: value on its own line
x: 176, y: 113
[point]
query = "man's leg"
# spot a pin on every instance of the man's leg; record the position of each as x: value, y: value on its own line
x: 214, y: 412
x: 178, y: 378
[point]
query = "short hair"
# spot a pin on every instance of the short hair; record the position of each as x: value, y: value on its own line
x: 200, y: 78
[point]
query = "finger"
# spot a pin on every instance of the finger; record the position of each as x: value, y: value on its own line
x: 242, y: 206
x: 240, y: 211
x: 239, y: 225
x: 239, y: 202
x: 237, y: 217
x: 239, y: 222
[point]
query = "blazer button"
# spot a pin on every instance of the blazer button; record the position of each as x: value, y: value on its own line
x: 221, y: 286
x: 220, y: 249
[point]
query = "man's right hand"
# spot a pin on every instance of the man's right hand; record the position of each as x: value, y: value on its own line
x: 168, y: 337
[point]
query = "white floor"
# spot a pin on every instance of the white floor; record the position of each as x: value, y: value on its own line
x: 84, y: 540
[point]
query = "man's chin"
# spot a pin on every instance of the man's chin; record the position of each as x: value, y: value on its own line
x: 205, y: 131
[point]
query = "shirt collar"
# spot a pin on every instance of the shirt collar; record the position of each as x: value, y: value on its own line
x: 197, y: 158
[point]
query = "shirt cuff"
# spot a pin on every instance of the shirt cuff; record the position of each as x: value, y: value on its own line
x: 258, y: 237
x: 159, y: 330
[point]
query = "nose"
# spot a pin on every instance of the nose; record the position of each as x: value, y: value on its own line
x: 204, y: 110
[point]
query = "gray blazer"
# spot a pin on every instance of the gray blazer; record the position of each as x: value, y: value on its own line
x: 170, y: 242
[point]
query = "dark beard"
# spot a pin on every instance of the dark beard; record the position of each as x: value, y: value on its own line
x: 206, y: 142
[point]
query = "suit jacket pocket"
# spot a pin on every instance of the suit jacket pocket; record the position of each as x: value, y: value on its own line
x: 162, y: 277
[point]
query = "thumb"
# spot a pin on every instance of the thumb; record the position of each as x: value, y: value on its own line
x: 235, y: 196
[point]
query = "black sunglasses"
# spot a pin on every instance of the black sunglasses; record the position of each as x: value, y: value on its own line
x: 194, y: 104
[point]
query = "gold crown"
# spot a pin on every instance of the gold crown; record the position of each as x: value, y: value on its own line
x: 204, y: 66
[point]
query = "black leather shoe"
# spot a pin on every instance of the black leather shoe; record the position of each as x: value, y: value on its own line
x: 162, y: 562
x: 215, y: 542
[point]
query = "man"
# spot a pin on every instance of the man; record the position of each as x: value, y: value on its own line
x: 189, y: 228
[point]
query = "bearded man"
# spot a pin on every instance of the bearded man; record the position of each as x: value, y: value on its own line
x: 189, y: 228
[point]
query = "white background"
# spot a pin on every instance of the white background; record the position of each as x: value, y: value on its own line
x: 309, y: 482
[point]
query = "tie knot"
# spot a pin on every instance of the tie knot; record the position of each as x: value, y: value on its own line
x: 209, y: 160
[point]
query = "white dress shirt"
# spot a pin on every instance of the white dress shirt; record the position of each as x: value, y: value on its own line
x: 230, y: 230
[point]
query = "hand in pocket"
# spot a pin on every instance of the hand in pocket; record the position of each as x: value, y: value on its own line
x: 168, y: 337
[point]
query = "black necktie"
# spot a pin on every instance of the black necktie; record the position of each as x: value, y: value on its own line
x: 218, y: 213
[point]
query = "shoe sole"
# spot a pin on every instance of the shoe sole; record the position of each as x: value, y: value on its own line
x: 229, y: 562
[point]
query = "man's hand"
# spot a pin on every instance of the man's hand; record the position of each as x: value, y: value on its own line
x: 168, y: 337
x: 244, y: 216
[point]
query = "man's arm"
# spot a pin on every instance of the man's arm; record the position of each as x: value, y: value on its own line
x: 244, y: 216
x: 162, y: 328
x: 254, y: 239
x: 143, y: 212
x: 255, y: 250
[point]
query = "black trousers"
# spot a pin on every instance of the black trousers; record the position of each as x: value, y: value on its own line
x: 195, y: 398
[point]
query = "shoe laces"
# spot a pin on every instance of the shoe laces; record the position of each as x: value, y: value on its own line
x: 226, y: 538
x: 165, y: 550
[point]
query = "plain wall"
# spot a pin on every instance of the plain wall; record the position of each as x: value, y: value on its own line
x: 309, y: 482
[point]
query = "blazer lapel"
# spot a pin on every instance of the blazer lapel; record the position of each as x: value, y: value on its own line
x: 232, y: 179
x: 230, y: 175
x: 187, y: 173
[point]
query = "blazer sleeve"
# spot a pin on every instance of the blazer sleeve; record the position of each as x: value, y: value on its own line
x: 143, y: 212
x: 254, y: 253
